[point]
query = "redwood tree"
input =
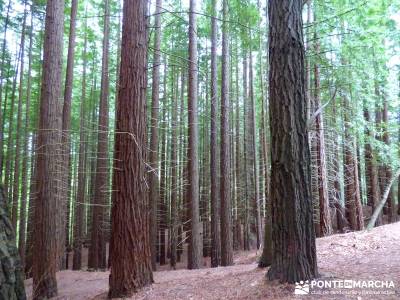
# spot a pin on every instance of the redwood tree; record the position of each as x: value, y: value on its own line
x: 47, y: 202
x: 215, y: 226
x: 153, y: 159
x: 226, y: 220
x: 293, y: 233
x: 193, y: 168
x: 130, y: 256
x: 97, y: 250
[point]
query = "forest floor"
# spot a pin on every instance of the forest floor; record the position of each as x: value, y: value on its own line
x: 368, y: 255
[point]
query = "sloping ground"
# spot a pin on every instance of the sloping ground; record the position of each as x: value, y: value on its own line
x: 372, y: 255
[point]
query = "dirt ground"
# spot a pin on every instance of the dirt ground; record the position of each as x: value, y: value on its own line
x: 369, y: 255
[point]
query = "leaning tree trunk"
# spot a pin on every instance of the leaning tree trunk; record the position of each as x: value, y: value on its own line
x: 48, y: 187
x: 130, y: 242
x: 293, y: 233
x: 97, y: 250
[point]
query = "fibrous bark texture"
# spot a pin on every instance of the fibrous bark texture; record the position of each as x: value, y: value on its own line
x: 292, y: 216
x: 11, y: 270
x: 48, y: 205
x: 130, y: 242
x: 195, y: 247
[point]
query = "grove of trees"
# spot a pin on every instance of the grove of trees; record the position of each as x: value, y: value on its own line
x: 136, y: 134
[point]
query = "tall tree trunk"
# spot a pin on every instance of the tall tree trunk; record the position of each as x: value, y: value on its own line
x: 29, y: 255
x: 3, y: 56
x: 48, y: 204
x: 10, y: 158
x: 226, y: 219
x: 253, y: 146
x: 215, y: 220
x: 371, y: 172
x: 292, y: 216
x: 31, y: 212
x: 97, y: 250
x: 193, y: 168
x: 16, y: 182
x: 325, y: 222
x: 246, y: 217
x: 174, y: 178
x: 162, y: 212
x: 238, y: 172
x: 267, y: 254
x: 79, y: 204
x: 337, y: 186
x: 66, y: 126
x: 387, y: 168
x: 131, y: 255
x: 153, y: 161
x: 352, y: 196
x: 24, y: 179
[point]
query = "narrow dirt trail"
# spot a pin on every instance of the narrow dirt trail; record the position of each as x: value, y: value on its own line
x: 370, y: 255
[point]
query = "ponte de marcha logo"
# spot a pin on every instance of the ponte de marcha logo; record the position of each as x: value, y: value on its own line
x: 345, y: 287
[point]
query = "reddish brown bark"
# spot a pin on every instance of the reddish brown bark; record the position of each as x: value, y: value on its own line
x: 154, y: 155
x: 97, y: 250
x: 387, y: 172
x: 325, y: 223
x: 371, y: 172
x: 48, y: 202
x: 215, y: 214
x: 2, y: 67
x: 174, y: 179
x: 66, y: 126
x: 195, y: 247
x: 24, y: 179
x: 80, y: 200
x: 354, y: 213
x: 293, y: 233
x: 226, y: 221
x: 16, y: 181
x: 130, y: 245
